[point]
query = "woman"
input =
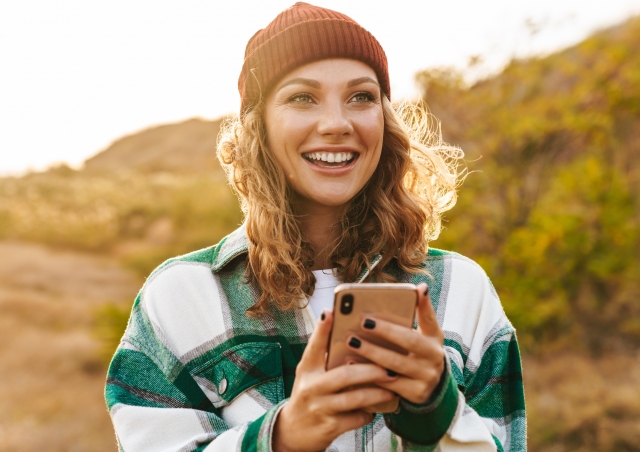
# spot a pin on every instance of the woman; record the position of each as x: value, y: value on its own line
x: 225, y: 346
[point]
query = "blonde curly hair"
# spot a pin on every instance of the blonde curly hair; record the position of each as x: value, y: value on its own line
x: 395, y: 214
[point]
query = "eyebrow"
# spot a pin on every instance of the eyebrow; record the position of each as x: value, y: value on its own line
x: 361, y: 80
x: 316, y: 84
x: 301, y: 81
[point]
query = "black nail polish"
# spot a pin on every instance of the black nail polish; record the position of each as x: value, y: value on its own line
x: 426, y: 291
x: 391, y: 373
x: 323, y: 316
x: 369, y: 324
x: 355, y: 342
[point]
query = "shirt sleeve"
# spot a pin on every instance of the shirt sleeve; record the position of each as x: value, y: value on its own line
x: 489, y: 415
x: 156, y: 405
x: 479, y: 402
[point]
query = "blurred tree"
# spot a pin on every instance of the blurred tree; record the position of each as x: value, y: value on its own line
x: 551, y: 206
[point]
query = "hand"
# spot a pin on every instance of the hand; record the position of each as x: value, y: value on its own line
x: 418, y: 372
x: 318, y: 410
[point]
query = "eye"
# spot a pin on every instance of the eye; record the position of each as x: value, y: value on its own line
x: 301, y: 98
x: 363, y: 97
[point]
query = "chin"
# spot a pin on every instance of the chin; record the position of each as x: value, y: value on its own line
x: 336, y: 196
x: 332, y: 201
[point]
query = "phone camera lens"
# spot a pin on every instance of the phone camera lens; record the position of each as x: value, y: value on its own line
x: 346, y: 304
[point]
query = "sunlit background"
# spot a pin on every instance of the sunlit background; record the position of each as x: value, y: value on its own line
x: 109, y: 113
x: 75, y: 75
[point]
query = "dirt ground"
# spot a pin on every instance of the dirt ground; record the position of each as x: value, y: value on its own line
x: 52, y: 373
x: 579, y: 404
x: 51, y: 376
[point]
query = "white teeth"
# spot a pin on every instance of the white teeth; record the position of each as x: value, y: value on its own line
x: 331, y: 157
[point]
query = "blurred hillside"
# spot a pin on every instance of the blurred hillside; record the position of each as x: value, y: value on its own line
x: 551, y: 210
x: 147, y: 197
x: 185, y: 147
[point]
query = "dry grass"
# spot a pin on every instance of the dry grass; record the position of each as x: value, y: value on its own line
x: 580, y: 404
x: 141, y: 219
x: 52, y: 377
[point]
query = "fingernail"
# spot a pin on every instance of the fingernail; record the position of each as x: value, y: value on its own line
x: 426, y: 291
x: 323, y: 316
x: 391, y: 373
x: 369, y: 324
x: 355, y: 342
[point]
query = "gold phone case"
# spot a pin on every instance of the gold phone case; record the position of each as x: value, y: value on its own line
x: 391, y: 302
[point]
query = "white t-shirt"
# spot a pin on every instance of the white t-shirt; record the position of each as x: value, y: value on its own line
x: 322, y: 297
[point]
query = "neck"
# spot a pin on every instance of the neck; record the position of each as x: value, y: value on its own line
x: 318, y: 224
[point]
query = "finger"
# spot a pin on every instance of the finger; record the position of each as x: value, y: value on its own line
x: 410, y: 366
x: 342, y: 377
x: 415, y: 391
x: 410, y: 340
x: 352, y: 421
x: 427, y: 320
x: 314, y: 354
x: 358, y: 398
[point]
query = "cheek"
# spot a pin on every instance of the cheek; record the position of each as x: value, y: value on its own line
x: 374, y: 129
x: 286, y: 133
x: 277, y: 143
x: 374, y: 135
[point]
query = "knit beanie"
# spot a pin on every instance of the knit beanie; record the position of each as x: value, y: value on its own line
x: 299, y: 35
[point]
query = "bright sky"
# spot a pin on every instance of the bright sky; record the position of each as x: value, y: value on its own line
x: 77, y: 74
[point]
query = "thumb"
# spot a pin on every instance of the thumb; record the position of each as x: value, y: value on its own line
x: 314, y: 354
x: 427, y: 319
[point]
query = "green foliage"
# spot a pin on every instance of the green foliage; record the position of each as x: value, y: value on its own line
x: 110, y: 321
x: 551, y: 206
x: 571, y: 272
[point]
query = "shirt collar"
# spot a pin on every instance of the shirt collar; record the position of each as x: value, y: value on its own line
x: 230, y: 247
x: 237, y: 243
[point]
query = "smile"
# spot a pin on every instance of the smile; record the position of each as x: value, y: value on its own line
x: 330, y: 159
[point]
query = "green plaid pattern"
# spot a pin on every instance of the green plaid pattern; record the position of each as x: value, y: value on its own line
x: 193, y: 372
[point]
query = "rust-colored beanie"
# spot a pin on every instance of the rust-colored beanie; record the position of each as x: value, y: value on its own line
x: 299, y: 35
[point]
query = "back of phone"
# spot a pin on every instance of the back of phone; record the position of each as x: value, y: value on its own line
x: 391, y: 302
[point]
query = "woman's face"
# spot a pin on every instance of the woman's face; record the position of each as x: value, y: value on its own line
x: 324, y: 127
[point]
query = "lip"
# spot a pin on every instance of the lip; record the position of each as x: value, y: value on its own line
x: 339, y: 171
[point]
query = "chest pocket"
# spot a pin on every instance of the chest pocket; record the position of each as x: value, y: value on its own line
x: 242, y: 367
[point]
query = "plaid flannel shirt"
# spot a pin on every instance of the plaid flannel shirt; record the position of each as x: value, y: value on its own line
x: 193, y: 372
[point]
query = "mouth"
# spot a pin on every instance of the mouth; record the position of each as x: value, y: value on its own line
x: 330, y: 159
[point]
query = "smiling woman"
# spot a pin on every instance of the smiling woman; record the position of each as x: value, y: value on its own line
x: 225, y: 348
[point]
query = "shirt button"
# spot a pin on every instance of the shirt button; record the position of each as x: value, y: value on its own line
x: 222, y: 386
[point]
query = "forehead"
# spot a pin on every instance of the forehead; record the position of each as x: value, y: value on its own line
x: 333, y: 70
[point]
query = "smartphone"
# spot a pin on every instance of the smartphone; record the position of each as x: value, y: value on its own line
x: 352, y: 302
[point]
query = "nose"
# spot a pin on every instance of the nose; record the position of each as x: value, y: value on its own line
x: 334, y: 120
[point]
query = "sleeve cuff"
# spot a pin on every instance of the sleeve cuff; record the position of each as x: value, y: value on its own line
x: 426, y: 423
x: 259, y: 433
